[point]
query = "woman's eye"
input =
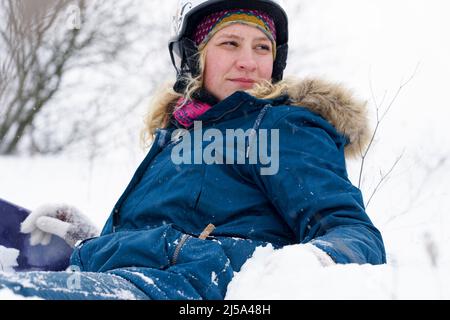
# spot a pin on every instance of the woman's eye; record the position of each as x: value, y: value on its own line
x: 263, y: 47
x: 230, y: 43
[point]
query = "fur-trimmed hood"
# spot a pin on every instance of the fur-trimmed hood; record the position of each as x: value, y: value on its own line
x: 330, y: 100
x: 338, y: 106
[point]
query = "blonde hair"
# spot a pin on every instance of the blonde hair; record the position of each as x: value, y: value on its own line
x: 165, y: 99
x: 164, y: 102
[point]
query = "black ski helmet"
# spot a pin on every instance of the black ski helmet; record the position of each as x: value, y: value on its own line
x: 183, y: 50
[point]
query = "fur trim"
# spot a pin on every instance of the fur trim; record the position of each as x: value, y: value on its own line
x: 338, y: 106
x: 331, y: 101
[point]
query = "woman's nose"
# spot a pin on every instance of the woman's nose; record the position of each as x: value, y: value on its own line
x: 246, y: 60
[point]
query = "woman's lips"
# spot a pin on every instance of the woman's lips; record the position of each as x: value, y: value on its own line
x: 247, y: 83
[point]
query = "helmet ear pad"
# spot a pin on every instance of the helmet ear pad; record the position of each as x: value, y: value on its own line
x: 280, y: 62
x: 189, y: 64
x: 192, y: 56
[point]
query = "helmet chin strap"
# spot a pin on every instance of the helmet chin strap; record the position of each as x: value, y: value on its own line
x: 190, y: 65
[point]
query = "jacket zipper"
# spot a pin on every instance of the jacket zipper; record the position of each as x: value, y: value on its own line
x: 178, y: 248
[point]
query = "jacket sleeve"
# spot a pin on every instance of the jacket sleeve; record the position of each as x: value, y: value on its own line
x: 313, y: 194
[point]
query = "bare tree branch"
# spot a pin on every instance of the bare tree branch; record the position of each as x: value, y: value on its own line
x: 37, y: 49
x: 383, y: 178
x: 379, y: 119
x: 430, y: 171
x: 399, y: 90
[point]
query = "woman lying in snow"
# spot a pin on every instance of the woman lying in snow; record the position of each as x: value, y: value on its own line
x: 195, y: 210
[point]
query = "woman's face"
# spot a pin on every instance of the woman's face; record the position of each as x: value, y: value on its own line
x: 237, y: 57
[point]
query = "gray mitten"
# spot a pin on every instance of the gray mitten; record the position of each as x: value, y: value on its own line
x: 62, y: 220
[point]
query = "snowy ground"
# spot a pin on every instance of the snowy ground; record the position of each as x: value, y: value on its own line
x: 417, y: 242
x: 360, y: 43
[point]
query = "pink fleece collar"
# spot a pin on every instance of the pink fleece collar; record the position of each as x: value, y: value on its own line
x: 187, y: 111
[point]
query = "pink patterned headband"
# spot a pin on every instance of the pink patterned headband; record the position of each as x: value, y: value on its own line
x: 214, y: 22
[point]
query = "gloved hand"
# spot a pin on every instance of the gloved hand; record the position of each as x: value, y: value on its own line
x: 324, y: 259
x: 65, y: 221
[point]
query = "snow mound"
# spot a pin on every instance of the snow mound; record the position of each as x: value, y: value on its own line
x: 282, y: 274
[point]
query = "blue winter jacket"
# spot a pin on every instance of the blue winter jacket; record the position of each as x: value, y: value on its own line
x: 151, y: 237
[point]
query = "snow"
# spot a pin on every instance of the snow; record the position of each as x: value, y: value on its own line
x: 282, y: 274
x: 6, y: 294
x: 214, y: 278
x: 8, y: 259
x: 373, y: 47
x: 413, y: 241
x: 146, y: 279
